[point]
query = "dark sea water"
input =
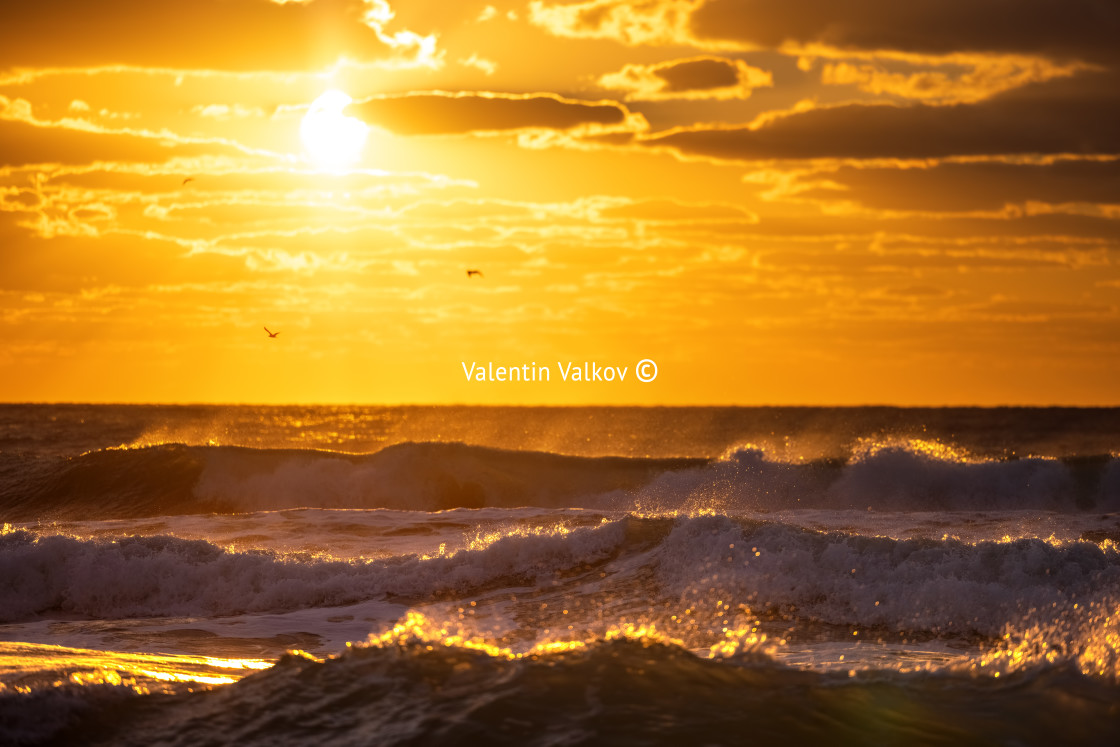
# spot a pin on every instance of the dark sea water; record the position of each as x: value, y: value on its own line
x: 554, y: 576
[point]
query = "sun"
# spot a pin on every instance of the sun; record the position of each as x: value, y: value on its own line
x: 333, y: 140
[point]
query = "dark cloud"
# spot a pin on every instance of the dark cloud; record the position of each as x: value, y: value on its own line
x: 226, y: 34
x: 1074, y: 116
x: 1085, y: 29
x: 698, y: 75
x: 21, y: 199
x: 975, y: 186
x: 437, y: 114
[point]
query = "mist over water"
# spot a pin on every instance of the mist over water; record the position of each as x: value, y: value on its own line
x: 791, y: 433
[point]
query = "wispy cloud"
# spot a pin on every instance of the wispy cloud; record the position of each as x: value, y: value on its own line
x: 693, y: 78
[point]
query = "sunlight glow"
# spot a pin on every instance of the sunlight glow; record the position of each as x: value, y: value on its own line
x: 417, y: 629
x: 141, y: 672
x: 333, y: 140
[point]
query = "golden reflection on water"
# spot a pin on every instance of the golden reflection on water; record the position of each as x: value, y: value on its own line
x: 935, y: 450
x: 484, y: 538
x: 28, y: 666
x: 416, y: 628
x: 1094, y: 651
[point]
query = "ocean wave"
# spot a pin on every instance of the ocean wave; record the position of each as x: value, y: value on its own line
x: 622, y: 691
x: 153, y: 576
x: 909, y: 476
x: 941, y: 586
x: 633, y: 566
x: 177, y: 479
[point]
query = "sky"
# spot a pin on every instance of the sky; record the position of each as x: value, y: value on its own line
x: 795, y: 202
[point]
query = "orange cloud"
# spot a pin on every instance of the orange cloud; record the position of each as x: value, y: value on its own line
x: 239, y: 35
x: 1074, y: 118
x: 70, y: 140
x: 688, y: 79
x: 974, y: 186
x: 441, y: 113
x: 658, y: 22
x: 981, y: 78
x: 1080, y: 29
x: 25, y: 140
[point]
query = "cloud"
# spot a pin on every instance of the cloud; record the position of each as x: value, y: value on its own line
x: 974, y: 186
x: 226, y: 111
x: 1041, y: 311
x: 441, y: 113
x: 416, y: 50
x: 689, y: 79
x: 29, y: 139
x: 981, y: 77
x: 1079, y: 29
x: 490, y: 13
x: 23, y: 142
x: 69, y: 260
x: 239, y: 35
x: 672, y: 211
x: 659, y: 22
x: 1075, y: 117
x: 487, y: 66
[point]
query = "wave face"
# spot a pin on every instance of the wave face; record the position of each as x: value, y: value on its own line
x: 177, y: 479
x: 931, y: 586
x: 908, y: 476
x: 147, y: 576
x: 609, y: 692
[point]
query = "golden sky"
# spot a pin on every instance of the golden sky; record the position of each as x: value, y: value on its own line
x: 795, y: 202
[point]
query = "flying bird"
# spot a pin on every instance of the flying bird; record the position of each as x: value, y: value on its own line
x: 271, y: 334
x: 474, y: 272
x: 188, y: 179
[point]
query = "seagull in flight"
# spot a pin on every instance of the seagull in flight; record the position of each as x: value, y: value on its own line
x: 474, y: 272
x: 188, y: 179
x: 271, y: 334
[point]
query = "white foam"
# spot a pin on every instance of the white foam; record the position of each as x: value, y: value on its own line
x: 163, y: 575
x: 900, y: 477
x: 942, y: 586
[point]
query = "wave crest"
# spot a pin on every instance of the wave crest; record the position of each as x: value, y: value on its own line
x: 633, y: 566
x: 176, y: 479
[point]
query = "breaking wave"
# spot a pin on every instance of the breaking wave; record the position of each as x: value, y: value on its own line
x: 937, y: 586
x: 622, y: 691
x: 176, y: 479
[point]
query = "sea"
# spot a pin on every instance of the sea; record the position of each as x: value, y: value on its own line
x: 363, y: 575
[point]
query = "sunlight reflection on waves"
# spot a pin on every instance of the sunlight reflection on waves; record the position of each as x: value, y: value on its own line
x: 28, y: 666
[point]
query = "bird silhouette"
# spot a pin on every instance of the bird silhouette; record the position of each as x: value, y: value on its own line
x: 271, y: 334
x: 474, y: 272
x: 188, y: 179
